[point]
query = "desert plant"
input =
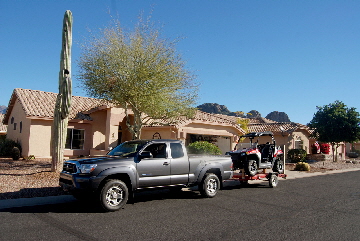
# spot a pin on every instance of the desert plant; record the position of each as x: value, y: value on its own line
x: 297, y: 155
x: 302, y: 166
x: 63, y: 100
x: 15, y: 153
x: 6, y: 147
x: 203, y: 147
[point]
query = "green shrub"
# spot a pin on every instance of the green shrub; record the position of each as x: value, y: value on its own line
x: 15, y: 153
x: 296, y: 155
x: 203, y: 147
x: 6, y: 147
x: 302, y: 166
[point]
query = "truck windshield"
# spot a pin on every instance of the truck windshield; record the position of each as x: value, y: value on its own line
x: 128, y: 149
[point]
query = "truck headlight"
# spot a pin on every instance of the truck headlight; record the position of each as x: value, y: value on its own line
x: 87, y: 168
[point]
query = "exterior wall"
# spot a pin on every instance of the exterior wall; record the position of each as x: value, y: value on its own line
x: 99, y: 129
x: 165, y: 132
x: 40, y: 138
x: 114, y: 118
x: 88, y: 140
x: 19, y: 129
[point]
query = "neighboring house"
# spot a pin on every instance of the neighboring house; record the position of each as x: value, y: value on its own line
x: 288, y: 135
x: 96, y: 126
x: 3, y: 128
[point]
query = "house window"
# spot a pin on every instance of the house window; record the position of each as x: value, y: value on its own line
x: 75, y: 139
x: 299, y: 144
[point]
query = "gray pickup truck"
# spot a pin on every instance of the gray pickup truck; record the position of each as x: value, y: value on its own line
x: 141, y: 164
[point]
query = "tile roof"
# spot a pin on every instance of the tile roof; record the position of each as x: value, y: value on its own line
x: 41, y: 104
x: 277, y: 127
x: 199, y: 116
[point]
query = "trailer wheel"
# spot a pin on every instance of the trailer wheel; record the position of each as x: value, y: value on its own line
x: 273, y: 180
x: 278, y: 166
x: 251, y: 168
x: 210, y: 186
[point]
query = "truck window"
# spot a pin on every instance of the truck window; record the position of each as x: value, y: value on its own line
x: 157, y: 150
x: 176, y: 150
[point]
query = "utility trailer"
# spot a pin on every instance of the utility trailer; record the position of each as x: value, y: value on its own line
x: 271, y: 177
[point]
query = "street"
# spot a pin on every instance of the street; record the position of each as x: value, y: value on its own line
x: 323, y: 207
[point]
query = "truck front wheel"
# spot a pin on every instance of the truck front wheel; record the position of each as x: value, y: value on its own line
x: 209, y: 186
x: 113, y: 195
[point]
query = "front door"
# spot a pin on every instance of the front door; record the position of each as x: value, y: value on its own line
x: 154, y: 171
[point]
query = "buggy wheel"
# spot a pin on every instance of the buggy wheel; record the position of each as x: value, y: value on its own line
x: 251, y: 168
x: 278, y: 166
x: 273, y: 180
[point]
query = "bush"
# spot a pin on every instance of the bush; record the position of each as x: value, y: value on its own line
x: 302, y: 166
x: 15, y: 153
x: 203, y: 147
x: 6, y: 147
x: 297, y: 155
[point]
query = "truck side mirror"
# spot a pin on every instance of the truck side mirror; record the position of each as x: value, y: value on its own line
x: 145, y: 154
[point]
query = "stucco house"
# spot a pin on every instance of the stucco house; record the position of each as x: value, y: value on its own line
x: 288, y: 135
x: 96, y: 126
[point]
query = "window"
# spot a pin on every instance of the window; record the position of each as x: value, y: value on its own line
x: 157, y: 150
x: 75, y: 139
x: 176, y: 150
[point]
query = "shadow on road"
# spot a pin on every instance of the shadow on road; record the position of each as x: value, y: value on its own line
x: 91, y: 207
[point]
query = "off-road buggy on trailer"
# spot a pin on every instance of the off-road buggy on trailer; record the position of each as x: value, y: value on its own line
x: 254, y: 156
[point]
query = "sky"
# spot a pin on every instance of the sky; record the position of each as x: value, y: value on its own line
x: 280, y: 55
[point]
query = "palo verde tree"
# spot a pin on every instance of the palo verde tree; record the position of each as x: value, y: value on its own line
x: 335, y: 123
x: 138, y: 70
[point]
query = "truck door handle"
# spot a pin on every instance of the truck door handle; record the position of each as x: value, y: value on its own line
x: 166, y: 164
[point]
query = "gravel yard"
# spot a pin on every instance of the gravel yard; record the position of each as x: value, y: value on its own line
x: 33, y: 178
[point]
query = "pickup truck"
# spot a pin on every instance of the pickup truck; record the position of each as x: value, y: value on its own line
x: 141, y: 164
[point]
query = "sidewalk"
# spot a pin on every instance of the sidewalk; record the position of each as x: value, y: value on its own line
x: 23, y: 202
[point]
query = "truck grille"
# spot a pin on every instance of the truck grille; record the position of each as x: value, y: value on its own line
x: 69, y: 167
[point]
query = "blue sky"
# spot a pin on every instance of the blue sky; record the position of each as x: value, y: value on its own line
x: 288, y: 56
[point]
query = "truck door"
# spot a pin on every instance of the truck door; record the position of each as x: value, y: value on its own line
x: 179, y: 164
x: 154, y: 171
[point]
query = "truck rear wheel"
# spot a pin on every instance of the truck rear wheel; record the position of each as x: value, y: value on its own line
x: 210, y: 186
x: 113, y: 195
x: 251, y: 168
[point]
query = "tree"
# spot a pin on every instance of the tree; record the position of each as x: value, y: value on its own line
x: 335, y: 123
x: 138, y: 70
x: 63, y: 100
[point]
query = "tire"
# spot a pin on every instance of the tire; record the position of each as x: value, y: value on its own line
x: 251, y: 168
x: 210, y: 185
x: 278, y: 166
x: 273, y: 180
x: 114, y: 195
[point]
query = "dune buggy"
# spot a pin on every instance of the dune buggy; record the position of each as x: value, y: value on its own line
x: 254, y: 156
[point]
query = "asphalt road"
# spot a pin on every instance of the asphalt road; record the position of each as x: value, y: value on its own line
x: 323, y: 207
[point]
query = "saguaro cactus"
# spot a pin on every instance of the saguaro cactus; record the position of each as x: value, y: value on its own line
x: 63, y: 100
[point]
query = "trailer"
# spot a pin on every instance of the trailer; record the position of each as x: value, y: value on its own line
x: 271, y: 177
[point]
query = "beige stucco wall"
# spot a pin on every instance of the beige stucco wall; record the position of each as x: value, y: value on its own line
x: 40, y: 138
x: 22, y: 131
x: 99, y: 129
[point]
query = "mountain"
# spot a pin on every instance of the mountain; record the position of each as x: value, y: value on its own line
x: 214, y: 108
x: 278, y: 116
x: 3, y: 109
x: 253, y: 114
